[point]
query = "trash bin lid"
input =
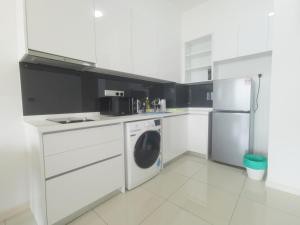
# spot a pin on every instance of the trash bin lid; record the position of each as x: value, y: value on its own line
x: 255, y: 161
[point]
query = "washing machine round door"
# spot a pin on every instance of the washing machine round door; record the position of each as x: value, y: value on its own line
x: 147, y: 149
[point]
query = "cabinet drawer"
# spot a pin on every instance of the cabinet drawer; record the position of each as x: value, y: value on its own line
x: 71, y: 192
x: 55, y: 143
x: 67, y: 161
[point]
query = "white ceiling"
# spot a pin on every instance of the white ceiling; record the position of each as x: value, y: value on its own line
x: 184, y: 5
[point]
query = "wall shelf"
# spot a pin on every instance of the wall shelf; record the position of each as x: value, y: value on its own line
x: 199, y: 54
x: 198, y: 62
x: 205, y: 67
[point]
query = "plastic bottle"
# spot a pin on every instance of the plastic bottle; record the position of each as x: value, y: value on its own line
x: 148, y: 107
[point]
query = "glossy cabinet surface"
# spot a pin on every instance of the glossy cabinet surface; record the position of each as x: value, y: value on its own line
x: 69, y: 170
x: 238, y: 27
x: 225, y: 41
x: 198, y: 133
x: 174, y: 136
x: 62, y: 27
x: 144, y: 43
x: 73, y: 191
x: 254, y: 26
x: 113, y: 35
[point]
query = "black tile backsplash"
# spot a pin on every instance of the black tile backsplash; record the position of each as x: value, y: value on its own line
x: 51, y: 90
x: 182, y: 96
x: 198, y: 95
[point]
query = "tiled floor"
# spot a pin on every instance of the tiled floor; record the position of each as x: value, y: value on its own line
x: 193, y: 191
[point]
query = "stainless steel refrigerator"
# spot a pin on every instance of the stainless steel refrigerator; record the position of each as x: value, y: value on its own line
x: 232, y: 120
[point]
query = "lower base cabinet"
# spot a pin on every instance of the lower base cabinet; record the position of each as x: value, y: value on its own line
x: 73, y: 169
x: 174, y: 136
x: 198, y: 133
x: 71, y: 192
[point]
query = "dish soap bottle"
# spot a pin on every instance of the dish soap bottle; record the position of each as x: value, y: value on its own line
x: 148, y: 107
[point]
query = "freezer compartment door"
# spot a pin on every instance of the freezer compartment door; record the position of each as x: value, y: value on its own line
x: 232, y: 94
x: 230, y: 137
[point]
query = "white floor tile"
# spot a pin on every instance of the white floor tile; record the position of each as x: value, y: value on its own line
x: 192, y: 191
x: 184, y: 167
x: 208, y: 202
x: 169, y: 214
x: 25, y: 218
x: 90, y: 218
x: 230, y: 179
x: 257, y: 191
x: 165, y: 184
x: 129, y: 208
x: 192, y: 158
x: 252, y: 213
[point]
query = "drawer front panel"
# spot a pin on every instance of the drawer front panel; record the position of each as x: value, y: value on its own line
x: 55, y: 143
x: 69, y: 193
x: 67, y: 161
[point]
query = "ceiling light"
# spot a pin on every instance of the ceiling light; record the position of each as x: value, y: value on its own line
x: 271, y: 14
x: 98, y: 14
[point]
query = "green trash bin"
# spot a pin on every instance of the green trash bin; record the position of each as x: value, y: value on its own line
x: 256, y: 166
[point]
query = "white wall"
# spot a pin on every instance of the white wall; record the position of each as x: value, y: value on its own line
x: 251, y: 67
x: 13, y: 164
x: 284, y: 147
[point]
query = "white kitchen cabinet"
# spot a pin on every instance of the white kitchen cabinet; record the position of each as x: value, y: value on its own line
x: 174, y: 135
x: 73, y: 191
x: 69, y: 170
x: 113, y: 35
x: 225, y: 42
x: 254, y: 26
x: 62, y: 27
x: 169, y: 44
x: 238, y: 27
x: 198, y: 133
x: 144, y: 43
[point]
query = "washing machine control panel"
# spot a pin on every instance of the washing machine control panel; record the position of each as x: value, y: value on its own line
x: 146, y: 124
x: 157, y: 122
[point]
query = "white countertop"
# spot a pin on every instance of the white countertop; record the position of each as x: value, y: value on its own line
x: 45, y: 126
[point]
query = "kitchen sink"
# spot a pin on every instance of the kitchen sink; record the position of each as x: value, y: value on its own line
x: 70, y: 120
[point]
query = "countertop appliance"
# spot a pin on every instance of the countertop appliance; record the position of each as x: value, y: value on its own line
x: 143, y: 151
x: 116, y: 104
x: 232, y: 120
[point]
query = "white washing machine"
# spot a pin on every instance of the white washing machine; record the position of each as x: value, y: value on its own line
x: 142, y: 152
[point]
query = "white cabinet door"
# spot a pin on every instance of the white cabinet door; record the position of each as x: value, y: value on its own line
x: 113, y: 35
x: 198, y: 128
x: 253, y: 35
x: 62, y: 27
x: 169, y: 45
x: 254, y: 26
x: 225, y: 42
x: 73, y: 191
x: 144, y: 42
x: 174, y: 137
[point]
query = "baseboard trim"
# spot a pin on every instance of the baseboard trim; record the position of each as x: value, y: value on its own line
x: 282, y: 187
x: 7, y: 214
x: 197, y: 154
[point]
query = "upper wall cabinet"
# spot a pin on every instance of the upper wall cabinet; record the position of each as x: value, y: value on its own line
x: 156, y: 40
x: 238, y: 27
x: 144, y: 42
x: 168, y: 41
x: 225, y: 41
x: 254, y: 28
x: 113, y: 35
x: 62, y: 27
